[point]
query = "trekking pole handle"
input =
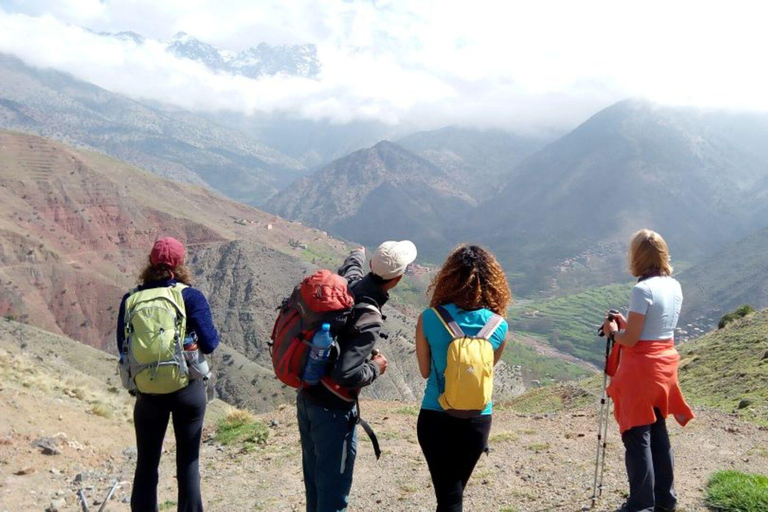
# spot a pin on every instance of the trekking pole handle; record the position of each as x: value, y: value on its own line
x: 611, y: 316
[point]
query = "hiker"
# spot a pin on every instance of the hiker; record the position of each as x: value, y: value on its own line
x: 328, y: 412
x: 468, y: 298
x: 644, y: 386
x: 161, y: 391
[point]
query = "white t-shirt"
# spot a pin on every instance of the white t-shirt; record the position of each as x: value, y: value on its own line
x: 659, y: 299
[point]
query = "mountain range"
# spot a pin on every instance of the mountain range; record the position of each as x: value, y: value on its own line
x: 254, y: 62
x: 76, y: 228
x: 559, y: 215
x: 557, y: 211
x: 564, y: 217
x: 175, y: 144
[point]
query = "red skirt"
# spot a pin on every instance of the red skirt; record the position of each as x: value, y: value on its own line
x: 646, y: 378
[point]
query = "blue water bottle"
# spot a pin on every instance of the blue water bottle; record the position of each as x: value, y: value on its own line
x: 318, y: 355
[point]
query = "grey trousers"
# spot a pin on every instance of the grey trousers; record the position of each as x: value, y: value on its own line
x: 650, y: 468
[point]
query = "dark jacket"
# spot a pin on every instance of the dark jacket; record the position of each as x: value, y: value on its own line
x: 353, y: 368
x: 198, y: 312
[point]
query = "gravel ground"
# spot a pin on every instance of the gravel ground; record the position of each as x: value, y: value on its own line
x: 536, y: 463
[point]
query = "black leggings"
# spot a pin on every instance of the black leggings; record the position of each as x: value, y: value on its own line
x: 150, y: 417
x: 452, y: 447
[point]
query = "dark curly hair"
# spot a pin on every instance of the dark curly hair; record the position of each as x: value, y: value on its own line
x: 471, y: 278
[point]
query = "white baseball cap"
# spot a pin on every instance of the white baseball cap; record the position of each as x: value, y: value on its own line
x: 391, y: 258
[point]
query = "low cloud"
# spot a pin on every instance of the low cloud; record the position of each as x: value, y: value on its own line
x: 520, y: 66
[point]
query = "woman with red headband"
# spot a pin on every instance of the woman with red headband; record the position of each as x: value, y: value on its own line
x: 166, y: 389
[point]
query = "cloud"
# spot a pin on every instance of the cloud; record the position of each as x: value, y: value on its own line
x: 517, y: 65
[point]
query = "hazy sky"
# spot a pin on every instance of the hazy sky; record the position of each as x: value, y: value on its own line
x: 520, y: 65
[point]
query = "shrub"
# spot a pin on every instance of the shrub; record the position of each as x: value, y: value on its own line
x: 240, y: 426
x: 101, y: 409
x: 733, y: 491
x: 739, y: 312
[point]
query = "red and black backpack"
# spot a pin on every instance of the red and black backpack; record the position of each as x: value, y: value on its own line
x: 322, y: 297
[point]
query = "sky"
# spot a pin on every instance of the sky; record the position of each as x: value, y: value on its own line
x: 518, y: 65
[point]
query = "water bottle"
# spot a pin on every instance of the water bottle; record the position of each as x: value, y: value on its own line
x: 197, y: 366
x: 190, y: 341
x: 318, y: 355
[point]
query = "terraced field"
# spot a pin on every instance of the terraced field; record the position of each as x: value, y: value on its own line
x: 570, y: 323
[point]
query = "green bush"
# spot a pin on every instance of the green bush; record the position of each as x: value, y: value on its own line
x: 240, y: 426
x: 739, y: 312
x: 733, y: 491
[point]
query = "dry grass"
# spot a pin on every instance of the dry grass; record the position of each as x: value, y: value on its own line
x: 235, y: 415
x: 101, y: 409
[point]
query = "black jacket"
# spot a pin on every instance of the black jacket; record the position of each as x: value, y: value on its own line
x: 353, y: 368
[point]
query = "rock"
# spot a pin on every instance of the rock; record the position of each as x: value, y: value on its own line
x: 57, y: 505
x: 274, y: 424
x: 25, y: 471
x: 765, y: 356
x: 48, y: 445
x: 78, y: 478
x: 744, y: 403
x: 130, y: 453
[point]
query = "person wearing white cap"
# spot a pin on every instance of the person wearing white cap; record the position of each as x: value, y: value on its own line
x: 328, y: 413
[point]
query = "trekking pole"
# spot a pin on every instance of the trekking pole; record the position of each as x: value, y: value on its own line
x: 602, y: 421
x: 83, y: 501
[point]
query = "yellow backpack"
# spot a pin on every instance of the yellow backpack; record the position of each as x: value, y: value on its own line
x: 468, y: 378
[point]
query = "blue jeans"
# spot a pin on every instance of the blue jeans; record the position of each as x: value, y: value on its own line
x: 328, y: 447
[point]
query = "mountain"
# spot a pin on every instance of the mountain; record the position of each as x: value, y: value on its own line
x: 174, y: 144
x: 722, y: 282
x: 76, y: 229
x: 254, y: 62
x: 376, y: 194
x: 261, y: 60
x: 476, y: 160
x: 563, y: 218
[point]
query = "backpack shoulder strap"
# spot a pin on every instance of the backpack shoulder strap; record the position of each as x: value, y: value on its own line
x: 448, y: 321
x: 490, y: 327
x: 366, y: 314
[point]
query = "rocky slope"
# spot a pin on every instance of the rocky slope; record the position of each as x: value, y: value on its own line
x: 56, y: 393
x: 174, y: 144
x: 76, y: 232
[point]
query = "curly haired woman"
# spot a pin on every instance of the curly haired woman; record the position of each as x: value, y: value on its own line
x: 469, y: 296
